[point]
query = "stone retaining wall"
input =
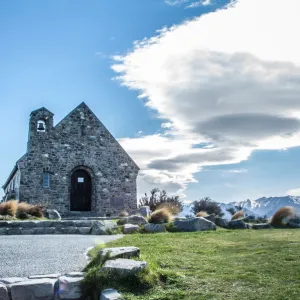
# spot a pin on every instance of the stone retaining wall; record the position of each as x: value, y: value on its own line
x: 52, y: 227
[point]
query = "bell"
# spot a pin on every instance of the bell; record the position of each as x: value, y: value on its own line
x: 41, y: 127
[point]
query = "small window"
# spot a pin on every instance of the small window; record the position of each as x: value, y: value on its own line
x: 80, y: 179
x: 46, y: 180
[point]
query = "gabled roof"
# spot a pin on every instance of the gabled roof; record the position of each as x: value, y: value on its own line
x: 83, y: 105
x: 13, y: 172
x: 43, y: 109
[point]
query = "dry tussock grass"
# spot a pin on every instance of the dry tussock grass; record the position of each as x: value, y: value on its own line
x: 239, y: 214
x: 173, y: 209
x: 123, y: 214
x: 202, y: 213
x: 162, y: 215
x: 9, y: 208
x: 281, y: 216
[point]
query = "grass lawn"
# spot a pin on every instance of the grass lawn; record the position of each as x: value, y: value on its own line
x: 222, y: 264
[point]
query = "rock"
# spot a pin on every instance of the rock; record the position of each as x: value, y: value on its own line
x: 150, y: 227
x: 36, y: 289
x: 84, y: 230
x: 70, y: 230
x: 211, y: 218
x: 195, y: 224
x: 238, y: 224
x: 3, y: 231
x: 83, y: 223
x: 136, y: 220
x: 46, y: 224
x: 69, y: 287
x: 294, y: 222
x: 76, y: 274
x: 52, y: 214
x: 4, y: 223
x: 12, y: 231
x: 261, y: 226
x: 11, y: 280
x: 52, y: 276
x: 123, y: 221
x: 103, y: 227
x: 143, y: 211
x: 120, y: 252
x: 110, y: 294
x: 4, y: 293
x: 123, y: 267
x: 46, y: 230
x: 130, y: 228
x: 27, y: 224
x: 222, y: 222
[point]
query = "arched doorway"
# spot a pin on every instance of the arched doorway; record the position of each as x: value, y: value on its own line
x: 81, y: 190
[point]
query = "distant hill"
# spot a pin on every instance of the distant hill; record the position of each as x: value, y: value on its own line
x: 260, y: 207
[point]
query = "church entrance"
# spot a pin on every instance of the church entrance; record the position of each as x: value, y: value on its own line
x: 81, y: 191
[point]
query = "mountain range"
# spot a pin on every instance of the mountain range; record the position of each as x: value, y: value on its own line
x: 265, y: 206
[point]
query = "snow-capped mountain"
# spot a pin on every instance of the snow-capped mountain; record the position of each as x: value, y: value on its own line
x: 260, y: 207
x: 268, y: 206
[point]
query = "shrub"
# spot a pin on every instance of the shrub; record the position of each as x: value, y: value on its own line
x: 157, y: 198
x: 123, y: 214
x: 33, y: 210
x: 239, y: 214
x: 159, y: 216
x: 9, y: 208
x: 202, y: 213
x: 281, y: 216
x: 207, y: 205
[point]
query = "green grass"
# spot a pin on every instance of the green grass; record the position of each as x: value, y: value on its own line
x: 245, y: 264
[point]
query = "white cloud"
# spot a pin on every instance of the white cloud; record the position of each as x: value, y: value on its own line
x: 293, y: 192
x: 199, y: 3
x: 229, y: 80
x: 238, y: 171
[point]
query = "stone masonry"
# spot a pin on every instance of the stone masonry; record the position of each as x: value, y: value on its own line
x: 78, y: 142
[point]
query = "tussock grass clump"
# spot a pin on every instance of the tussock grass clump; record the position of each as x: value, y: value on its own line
x: 281, y: 216
x: 162, y: 215
x: 173, y: 209
x: 9, y: 208
x: 202, y: 213
x: 239, y: 214
x: 33, y: 210
x: 123, y: 214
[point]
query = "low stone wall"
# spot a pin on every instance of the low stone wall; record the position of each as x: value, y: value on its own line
x: 54, y: 227
x: 51, y: 286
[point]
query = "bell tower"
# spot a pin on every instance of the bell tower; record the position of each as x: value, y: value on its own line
x: 40, y: 126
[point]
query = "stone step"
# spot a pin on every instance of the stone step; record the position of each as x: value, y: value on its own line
x: 38, y: 224
x: 44, y: 230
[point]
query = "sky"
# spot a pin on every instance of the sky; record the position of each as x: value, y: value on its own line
x: 204, y: 95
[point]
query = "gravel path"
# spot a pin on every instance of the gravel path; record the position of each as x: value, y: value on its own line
x: 25, y: 255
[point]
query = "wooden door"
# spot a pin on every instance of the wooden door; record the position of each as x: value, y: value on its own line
x: 81, y: 191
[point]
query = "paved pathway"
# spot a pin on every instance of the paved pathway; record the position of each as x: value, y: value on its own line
x: 25, y: 255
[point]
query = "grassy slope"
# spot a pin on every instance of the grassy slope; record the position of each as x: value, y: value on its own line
x: 244, y: 264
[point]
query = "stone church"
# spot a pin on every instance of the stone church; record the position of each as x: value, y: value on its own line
x: 74, y: 167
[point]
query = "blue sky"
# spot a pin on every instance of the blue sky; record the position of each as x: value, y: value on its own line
x: 59, y: 53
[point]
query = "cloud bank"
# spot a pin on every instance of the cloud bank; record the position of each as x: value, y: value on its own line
x: 227, y: 83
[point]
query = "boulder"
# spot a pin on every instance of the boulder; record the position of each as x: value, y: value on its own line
x: 76, y: 274
x: 103, y: 227
x: 135, y: 220
x: 150, y: 227
x: 53, y: 276
x: 238, y: 224
x: 194, y: 224
x: 262, y: 226
x: 294, y: 222
x: 124, y: 267
x: 52, y: 214
x: 143, y: 211
x: 11, y: 280
x: 222, y: 222
x: 4, y: 292
x: 84, y: 230
x: 130, y: 228
x: 120, y: 252
x: 211, y: 218
x: 110, y: 294
x: 35, y: 289
x: 69, y: 287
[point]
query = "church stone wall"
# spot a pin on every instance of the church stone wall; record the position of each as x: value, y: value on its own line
x: 79, y: 140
